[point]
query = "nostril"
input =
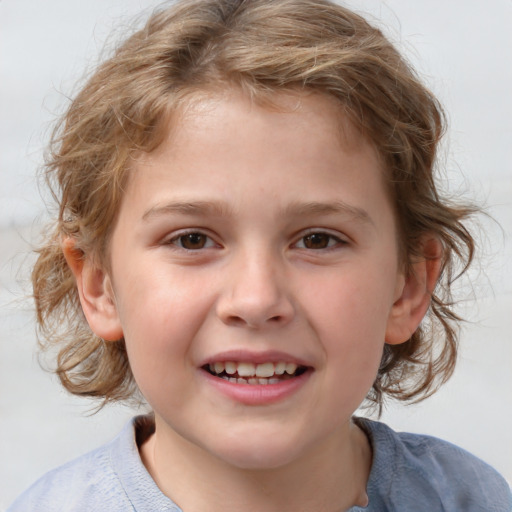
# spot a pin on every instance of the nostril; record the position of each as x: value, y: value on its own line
x: 254, y: 312
x: 235, y: 321
x: 253, y: 322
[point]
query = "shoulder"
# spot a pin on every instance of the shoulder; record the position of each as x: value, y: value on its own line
x: 82, y: 484
x: 111, y: 478
x: 431, y: 474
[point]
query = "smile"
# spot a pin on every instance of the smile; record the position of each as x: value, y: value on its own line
x: 255, y: 374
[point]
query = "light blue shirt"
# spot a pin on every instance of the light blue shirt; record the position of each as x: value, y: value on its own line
x: 410, y: 473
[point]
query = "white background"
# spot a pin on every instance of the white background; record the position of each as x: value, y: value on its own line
x: 463, y: 49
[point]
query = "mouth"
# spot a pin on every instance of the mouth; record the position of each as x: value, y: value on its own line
x: 255, y: 374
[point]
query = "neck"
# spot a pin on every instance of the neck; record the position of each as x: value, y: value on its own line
x: 328, y: 478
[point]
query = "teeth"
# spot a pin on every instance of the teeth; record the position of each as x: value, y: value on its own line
x: 280, y: 368
x: 230, y: 367
x: 265, y: 370
x: 252, y: 373
x: 246, y: 370
x: 291, y: 368
x: 253, y: 381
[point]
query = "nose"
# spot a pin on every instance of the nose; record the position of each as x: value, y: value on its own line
x: 255, y: 293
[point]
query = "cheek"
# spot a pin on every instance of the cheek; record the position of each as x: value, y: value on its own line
x: 161, y: 310
x: 158, y: 347
x: 159, y: 322
x: 349, y: 315
x: 356, y: 301
x: 159, y: 300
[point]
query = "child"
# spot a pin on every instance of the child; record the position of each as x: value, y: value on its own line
x: 250, y: 235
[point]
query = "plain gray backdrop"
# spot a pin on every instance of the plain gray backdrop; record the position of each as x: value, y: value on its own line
x: 462, y: 48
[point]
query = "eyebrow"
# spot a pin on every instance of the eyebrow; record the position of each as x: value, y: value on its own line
x: 330, y: 208
x: 209, y: 208
x: 298, y: 209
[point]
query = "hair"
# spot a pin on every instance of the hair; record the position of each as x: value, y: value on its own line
x: 260, y: 47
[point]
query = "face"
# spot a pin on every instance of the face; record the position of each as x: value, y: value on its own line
x: 254, y: 275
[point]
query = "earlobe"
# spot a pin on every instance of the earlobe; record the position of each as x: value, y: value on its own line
x: 96, y: 293
x: 415, y: 293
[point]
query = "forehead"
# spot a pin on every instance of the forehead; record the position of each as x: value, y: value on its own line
x: 297, y: 153
x: 305, y: 106
x: 291, y: 113
x: 303, y: 132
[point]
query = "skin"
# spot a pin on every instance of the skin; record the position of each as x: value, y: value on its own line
x: 263, y: 271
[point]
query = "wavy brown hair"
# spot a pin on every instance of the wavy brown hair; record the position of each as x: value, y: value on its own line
x: 261, y: 47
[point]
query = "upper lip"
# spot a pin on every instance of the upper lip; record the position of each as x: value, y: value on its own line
x: 247, y: 356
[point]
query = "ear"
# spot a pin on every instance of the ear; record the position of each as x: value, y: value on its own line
x: 95, y: 291
x: 414, y: 293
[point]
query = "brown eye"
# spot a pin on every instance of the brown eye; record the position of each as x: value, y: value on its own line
x: 319, y: 241
x: 192, y: 241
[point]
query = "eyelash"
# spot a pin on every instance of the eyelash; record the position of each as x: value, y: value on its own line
x: 178, y: 240
x: 323, y: 236
x: 207, y: 242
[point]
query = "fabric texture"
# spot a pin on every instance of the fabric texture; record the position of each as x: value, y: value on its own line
x: 409, y: 472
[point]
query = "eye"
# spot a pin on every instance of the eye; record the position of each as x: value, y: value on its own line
x: 192, y: 241
x: 319, y: 240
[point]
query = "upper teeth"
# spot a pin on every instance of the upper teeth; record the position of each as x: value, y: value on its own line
x: 252, y: 370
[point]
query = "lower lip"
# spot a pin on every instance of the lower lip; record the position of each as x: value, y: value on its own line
x: 258, y: 394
